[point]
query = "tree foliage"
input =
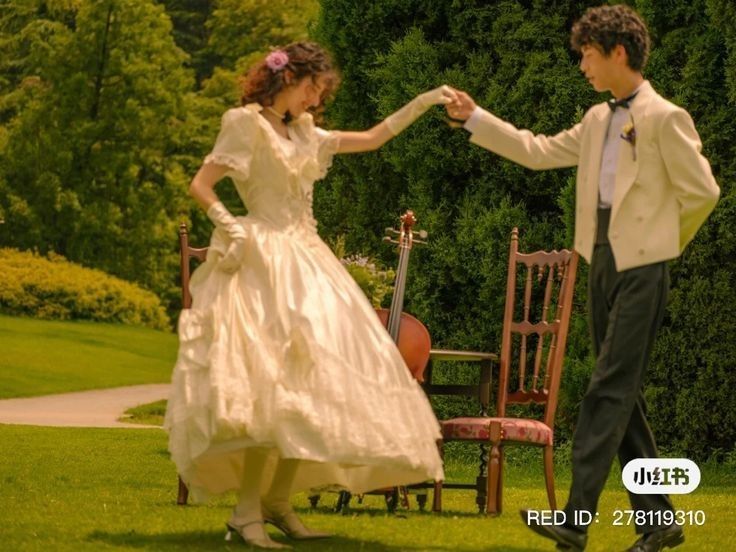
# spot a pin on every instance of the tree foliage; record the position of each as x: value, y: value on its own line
x: 190, y: 32
x: 108, y: 106
x: 514, y: 59
x: 103, y: 125
x: 90, y: 125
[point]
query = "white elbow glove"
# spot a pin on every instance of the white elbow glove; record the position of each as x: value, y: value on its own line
x: 405, y: 116
x: 225, y: 221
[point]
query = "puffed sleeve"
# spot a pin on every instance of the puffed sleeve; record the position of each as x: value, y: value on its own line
x: 328, y: 143
x: 235, y: 143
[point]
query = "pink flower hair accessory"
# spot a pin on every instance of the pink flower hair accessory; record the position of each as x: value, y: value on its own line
x: 277, y: 60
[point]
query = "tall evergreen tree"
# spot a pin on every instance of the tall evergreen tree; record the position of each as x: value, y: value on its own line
x: 189, y: 20
x: 693, y: 63
x: 90, y: 133
x: 514, y: 58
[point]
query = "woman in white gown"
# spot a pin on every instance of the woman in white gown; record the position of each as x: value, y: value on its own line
x: 285, y: 378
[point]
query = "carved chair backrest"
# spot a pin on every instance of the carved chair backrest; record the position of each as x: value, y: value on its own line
x: 539, y: 298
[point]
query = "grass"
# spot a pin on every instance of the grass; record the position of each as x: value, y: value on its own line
x: 40, y: 357
x: 103, y: 489
x: 146, y: 414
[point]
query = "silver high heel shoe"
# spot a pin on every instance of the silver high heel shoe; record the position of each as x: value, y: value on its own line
x: 291, y: 526
x: 263, y: 542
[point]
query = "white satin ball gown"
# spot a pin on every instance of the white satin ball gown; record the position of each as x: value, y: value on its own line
x: 287, y: 353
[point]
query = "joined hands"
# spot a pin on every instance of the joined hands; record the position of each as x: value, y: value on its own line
x: 460, y: 108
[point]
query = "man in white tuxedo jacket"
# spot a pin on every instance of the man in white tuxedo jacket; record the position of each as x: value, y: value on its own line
x: 643, y: 190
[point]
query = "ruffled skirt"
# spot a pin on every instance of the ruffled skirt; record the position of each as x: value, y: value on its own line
x: 288, y: 354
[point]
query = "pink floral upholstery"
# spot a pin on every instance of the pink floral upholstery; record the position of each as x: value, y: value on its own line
x: 512, y: 429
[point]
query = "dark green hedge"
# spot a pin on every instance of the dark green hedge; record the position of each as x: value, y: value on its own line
x: 513, y: 58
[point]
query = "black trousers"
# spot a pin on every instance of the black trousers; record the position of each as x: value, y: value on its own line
x: 625, y: 311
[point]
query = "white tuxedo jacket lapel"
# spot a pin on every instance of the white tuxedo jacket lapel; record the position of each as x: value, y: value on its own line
x: 629, y: 158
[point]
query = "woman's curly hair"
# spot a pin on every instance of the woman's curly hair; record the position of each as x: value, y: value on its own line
x: 607, y: 26
x: 306, y: 59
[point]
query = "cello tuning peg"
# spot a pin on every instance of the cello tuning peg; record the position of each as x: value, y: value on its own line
x: 422, y: 234
x: 388, y: 239
x: 421, y: 242
x: 390, y: 230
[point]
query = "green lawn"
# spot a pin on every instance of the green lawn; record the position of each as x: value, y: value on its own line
x: 146, y: 414
x: 41, y: 357
x: 98, y: 489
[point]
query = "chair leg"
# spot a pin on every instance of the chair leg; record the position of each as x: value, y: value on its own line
x: 499, y: 487
x: 495, y: 467
x: 437, y: 494
x: 437, y: 497
x: 549, y: 476
x: 183, y: 494
x: 481, y: 482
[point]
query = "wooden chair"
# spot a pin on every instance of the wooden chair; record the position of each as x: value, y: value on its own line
x: 529, y: 365
x: 186, y: 253
x: 481, y: 391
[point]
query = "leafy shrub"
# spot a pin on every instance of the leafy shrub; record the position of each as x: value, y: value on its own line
x: 514, y: 58
x: 375, y: 282
x: 53, y: 288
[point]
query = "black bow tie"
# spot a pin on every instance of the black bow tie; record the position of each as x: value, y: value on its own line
x: 613, y: 103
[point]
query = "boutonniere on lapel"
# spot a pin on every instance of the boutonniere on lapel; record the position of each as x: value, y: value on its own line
x: 628, y: 133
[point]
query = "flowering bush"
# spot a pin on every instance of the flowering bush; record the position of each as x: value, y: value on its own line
x: 375, y: 282
x: 54, y: 288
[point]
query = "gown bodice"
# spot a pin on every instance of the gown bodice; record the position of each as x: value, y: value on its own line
x: 274, y: 176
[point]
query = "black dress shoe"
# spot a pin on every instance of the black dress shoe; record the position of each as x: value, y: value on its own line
x: 669, y: 537
x: 565, y: 537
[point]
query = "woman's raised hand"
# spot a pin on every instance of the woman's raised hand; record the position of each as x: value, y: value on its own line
x: 442, y: 95
x: 405, y: 116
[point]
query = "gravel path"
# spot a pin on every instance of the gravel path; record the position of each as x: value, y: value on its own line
x: 96, y: 408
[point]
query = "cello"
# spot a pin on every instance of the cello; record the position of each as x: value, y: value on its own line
x: 412, y: 339
x: 410, y: 335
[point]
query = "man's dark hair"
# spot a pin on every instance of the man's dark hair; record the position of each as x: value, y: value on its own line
x: 607, y: 26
